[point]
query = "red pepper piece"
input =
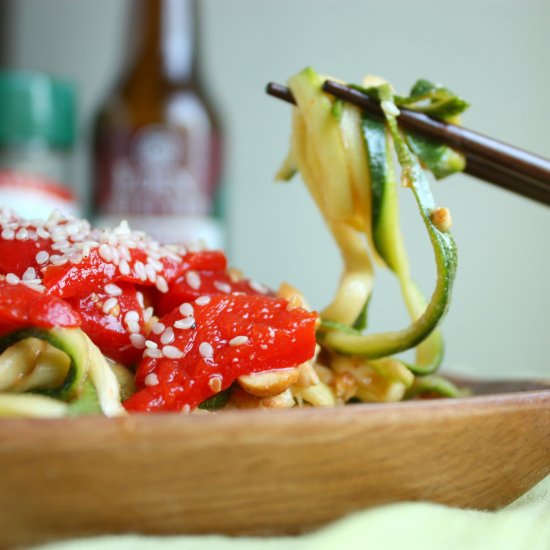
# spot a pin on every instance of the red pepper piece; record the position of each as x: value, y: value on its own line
x: 22, y: 307
x: 211, y: 359
x: 110, y: 330
x: 18, y: 255
x: 187, y: 288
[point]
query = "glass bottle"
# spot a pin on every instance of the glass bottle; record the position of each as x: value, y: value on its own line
x: 157, y: 138
x: 37, y: 134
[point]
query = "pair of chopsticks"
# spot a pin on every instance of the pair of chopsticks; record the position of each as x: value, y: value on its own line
x: 487, y: 159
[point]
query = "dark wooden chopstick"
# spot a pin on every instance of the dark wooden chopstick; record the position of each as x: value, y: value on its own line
x: 488, y: 159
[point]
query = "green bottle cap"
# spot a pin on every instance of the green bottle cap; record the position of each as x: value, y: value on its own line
x: 36, y: 107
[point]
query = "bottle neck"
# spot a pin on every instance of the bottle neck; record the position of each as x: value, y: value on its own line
x: 170, y: 38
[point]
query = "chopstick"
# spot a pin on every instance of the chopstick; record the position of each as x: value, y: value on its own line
x: 487, y: 159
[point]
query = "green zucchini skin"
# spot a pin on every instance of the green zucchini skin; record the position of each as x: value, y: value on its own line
x: 388, y: 241
x: 69, y: 341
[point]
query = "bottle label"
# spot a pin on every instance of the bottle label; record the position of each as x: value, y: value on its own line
x: 162, y: 180
x: 35, y: 196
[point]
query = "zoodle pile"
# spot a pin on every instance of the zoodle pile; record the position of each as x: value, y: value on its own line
x: 109, y: 321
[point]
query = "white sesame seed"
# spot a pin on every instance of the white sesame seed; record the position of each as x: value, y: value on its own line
x: 133, y: 327
x: 8, y: 234
x: 158, y: 328
x: 147, y: 314
x: 22, y: 234
x: 186, y: 310
x: 12, y: 279
x: 137, y: 340
x: 105, y: 252
x: 151, y: 379
x: 186, y: 409
x: 157, y: 265
x: 131, y: 317
x: 172, y: 352
x: 151, y: 273
x: 202, y: 300
x: 59, y: 245
x: 34, y: 286
x: 112, y: 289
x: 109, y: 304
x: 56, y: 259
x: 115, y: 256
x: 188, y: 322
x: 29, y: 275
x: 222, y: 287
x: 239, y: 341
x: 161, y: 284
x: 193, y: 279
x: 152, y: 353
x: 139, y: 270
x: 139, y: 298
x: 167, y: 337
x: 75, y: 258
x: 206, y: 350
x: 258, y: 287
x: 150, y: 344
x: 124, y: 267
x: 124, y: 253
x: 42, y: 233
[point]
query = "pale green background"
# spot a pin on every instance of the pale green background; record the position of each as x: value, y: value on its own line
x: 495, y: 53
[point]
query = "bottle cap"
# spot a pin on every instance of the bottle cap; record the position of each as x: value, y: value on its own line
x: 36, y: 107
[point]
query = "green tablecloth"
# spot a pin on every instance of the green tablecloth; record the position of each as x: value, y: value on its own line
x: 524, y: 525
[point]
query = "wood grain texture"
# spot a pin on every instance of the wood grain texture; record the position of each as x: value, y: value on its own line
x: 257, y: 472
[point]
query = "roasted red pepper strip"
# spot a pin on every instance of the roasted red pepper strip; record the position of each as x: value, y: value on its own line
x: 111, y: 329
x: 22, y: 307
x: 226, y: 337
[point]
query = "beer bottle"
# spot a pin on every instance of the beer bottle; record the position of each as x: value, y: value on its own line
x: 157, y: 138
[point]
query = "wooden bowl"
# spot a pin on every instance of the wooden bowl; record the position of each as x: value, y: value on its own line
x: 260, y: 472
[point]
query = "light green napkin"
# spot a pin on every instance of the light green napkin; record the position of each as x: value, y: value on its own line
x: 524, y: 525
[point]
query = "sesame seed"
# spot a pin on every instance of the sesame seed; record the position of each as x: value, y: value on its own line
x: 157, y: 265
x: 239, y: 341
x: 186, y: 409
x: 139, y: 270
x: 150, y: 344
x: 34, y: 286
x: 186, y: 310
x: 188, y: 322
x: 258, y: 287
x: 12, y: 279
x: 161, y: 284
x: 124, y: 267
x: 222, y: 287
x: 147, y: 314
x: 137, y: 340
x: 105, y: 252
x: 75, y: 258
x: 202, y: 300
x: 152, y: 353
x: 112, y: 289
x: 151, y: 379
x: 193, y: 279
x: 151, y: 273
x: 215, y: 383
x: 131, y: 316
x: 124, y: 253
x: 59, y: 245
x: 133, y: 327
x: 139, y: 298
x: 206, y: 350
x: 167, y: 336
x: 115, y: 255
x: 22, y: 234
x: 158, y: 328
x: 8, y: 234
x: 172, y: 352
x: 109, y: 304
x: 29, y: 275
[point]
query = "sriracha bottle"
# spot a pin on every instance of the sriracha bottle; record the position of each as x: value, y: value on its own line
x: 157, y: 138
